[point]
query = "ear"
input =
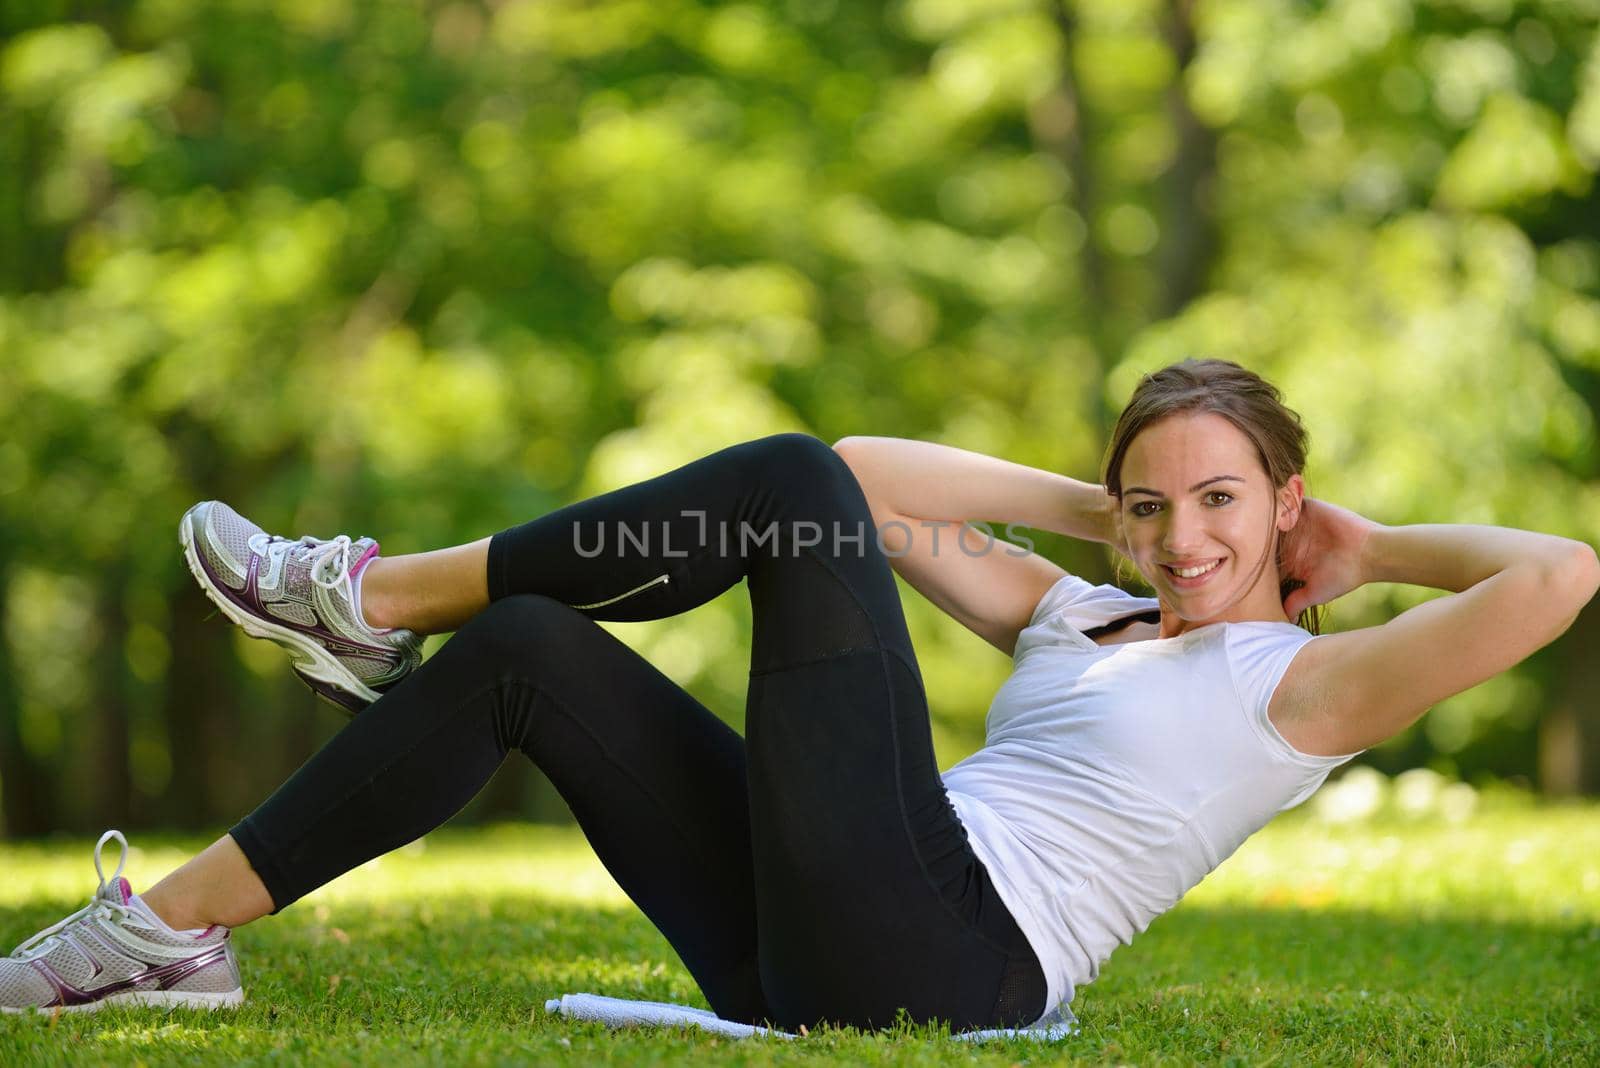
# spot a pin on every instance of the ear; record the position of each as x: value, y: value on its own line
x: 1290, y: 500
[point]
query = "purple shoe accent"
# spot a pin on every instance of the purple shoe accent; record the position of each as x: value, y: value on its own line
x: 165, y: 976
x: 355, y: 568
x: 125, y: 889
x: 90, y: 957
x: 252, y: 583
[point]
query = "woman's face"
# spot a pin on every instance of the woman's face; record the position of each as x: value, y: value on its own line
x: 1194, y: 495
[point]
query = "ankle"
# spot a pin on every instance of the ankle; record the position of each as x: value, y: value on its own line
x: 216, y: 886
x: 372, y: 602
x: 173, y: 913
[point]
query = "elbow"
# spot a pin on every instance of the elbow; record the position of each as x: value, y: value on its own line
x: 1575, y: 574
x: 1586, y: 570
x: 848, y: 450
x: 854, y: 443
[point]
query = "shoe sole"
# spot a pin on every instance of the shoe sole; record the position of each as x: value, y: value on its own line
x: 156, y: 999
x: 314, y: 664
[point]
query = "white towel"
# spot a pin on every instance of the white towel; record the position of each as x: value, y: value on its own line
x: 621, y: 1012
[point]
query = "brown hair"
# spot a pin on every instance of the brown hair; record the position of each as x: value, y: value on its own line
x: 1243, y: 398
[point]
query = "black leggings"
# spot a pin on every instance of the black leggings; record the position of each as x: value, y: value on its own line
x: 813, y: 871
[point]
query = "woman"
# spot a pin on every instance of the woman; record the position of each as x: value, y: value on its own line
x: 821, y: 869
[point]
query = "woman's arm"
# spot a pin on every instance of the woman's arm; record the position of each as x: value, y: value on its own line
x: 1450, y: 556
x: 1518, y: 591
x: 932, y: 481
x: 922, y: 493
x: 1333, y: 550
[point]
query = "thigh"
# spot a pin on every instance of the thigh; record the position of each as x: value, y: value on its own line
x: 869, y: 896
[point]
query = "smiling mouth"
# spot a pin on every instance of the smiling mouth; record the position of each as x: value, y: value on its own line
x: 1193, y: 573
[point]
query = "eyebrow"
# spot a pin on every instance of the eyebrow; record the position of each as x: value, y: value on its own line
x: 1192, y: 489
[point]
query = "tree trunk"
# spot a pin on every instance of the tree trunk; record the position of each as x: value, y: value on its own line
x: 112, y: 793
x: 196, y: 693
x: 1061, y: 126
x: 1569, y: 733
x: 25, y: 785
x: 1188, y: 226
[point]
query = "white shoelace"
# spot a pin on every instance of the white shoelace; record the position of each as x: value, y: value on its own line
x: 102, y: 905
x: 319, y: 554
x: 326, y: 553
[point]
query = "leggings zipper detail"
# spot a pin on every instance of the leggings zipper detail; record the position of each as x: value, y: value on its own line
x: 637, y: 589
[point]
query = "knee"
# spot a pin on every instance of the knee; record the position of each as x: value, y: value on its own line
x: 799, y: 460
x: 796, y: 447
x: 511, y: 626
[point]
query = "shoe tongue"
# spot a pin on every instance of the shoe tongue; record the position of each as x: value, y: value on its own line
x: 118, y: 890
x: 366, y: 554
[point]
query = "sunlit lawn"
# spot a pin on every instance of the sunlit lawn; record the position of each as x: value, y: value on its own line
x: 1420, y: 941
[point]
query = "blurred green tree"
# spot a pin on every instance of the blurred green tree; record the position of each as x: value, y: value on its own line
x: 424, y: 270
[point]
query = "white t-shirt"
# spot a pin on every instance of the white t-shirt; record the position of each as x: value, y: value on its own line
x: 1115, y: 778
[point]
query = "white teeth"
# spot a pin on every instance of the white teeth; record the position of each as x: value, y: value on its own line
x: 1194, y: 572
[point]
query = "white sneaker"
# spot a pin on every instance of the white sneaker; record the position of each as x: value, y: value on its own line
x: 116, y: 951
x: 304, y: 596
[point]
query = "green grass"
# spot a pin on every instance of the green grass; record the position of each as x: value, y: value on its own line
x: 1386, y: 942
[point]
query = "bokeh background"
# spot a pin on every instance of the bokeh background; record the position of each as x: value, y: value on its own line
x: 422, y: 270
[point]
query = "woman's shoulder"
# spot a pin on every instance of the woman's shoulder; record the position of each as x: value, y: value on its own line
x: 1268, y: 661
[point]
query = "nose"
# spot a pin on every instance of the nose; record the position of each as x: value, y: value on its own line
x: 1184, y: 534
